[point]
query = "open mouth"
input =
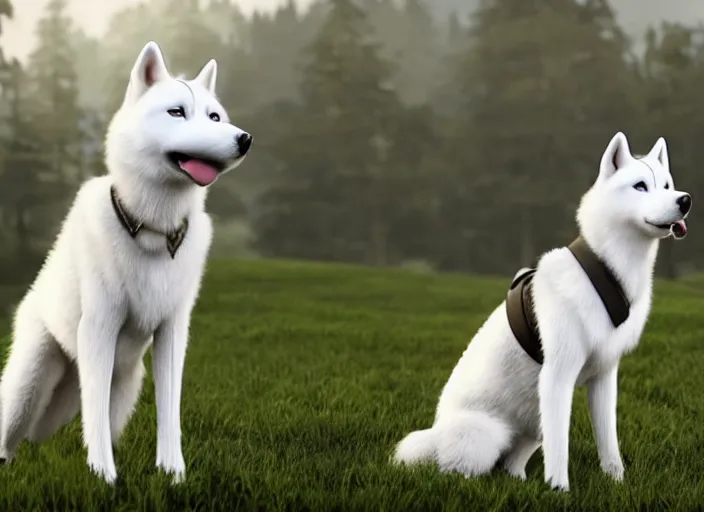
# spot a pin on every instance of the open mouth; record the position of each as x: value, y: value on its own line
x: 677, y: 228
x: 201, y: 171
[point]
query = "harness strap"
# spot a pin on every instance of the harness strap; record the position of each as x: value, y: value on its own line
x: 521, y: 316
x: 605, y: 283
x: 519, y: 300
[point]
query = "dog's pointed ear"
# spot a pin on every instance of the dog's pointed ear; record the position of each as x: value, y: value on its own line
x: 149, y: 69
x: 208, y: 75
x: 659, y: 152
x: 617, y: 154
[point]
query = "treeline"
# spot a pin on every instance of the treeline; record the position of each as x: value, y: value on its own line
x: 384, y: 134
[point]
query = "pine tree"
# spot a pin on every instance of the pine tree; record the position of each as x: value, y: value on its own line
x: 188, y: 40
x: 270, y: 66
x: 128, y: 31
x: 544, y: 87
x: 672, y: 70
x: 6, y: 68
x: 28, y: 186
x: 227, y: 20
x: 455, y: 31
x: 90, y: 66
x: 183, y: 30
x: 42, y: 161
x: 421, y: 57
x: 6, y: 81
x: 54, y: 91
x: 410, y: 38
x: 6, y: 11
x: 337, y: 192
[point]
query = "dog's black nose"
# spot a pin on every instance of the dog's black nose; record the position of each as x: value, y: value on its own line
x: 244, y: 142
x: 685, y: 203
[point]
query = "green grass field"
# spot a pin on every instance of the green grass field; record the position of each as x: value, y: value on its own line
x: 300, y: 378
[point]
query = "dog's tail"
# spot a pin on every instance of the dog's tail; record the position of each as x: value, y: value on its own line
x: 469, y: 442
x: 418, y: 446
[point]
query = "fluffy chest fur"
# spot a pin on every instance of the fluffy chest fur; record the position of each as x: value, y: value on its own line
x: 565, y: 296
x: 145, y: 283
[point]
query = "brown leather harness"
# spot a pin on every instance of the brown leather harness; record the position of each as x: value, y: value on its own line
x: 519, y: 301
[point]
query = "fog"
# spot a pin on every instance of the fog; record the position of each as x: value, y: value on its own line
x: 447, y: 145
x: 92, y: 15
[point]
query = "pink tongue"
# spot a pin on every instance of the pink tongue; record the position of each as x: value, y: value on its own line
x: 679, y: 229
x: 202, y: 173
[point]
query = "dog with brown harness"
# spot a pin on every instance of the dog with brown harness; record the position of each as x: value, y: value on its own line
x: 566, y: 322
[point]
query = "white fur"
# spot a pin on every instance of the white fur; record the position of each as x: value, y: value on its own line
x: 498, y: 402
x: 102, y: 297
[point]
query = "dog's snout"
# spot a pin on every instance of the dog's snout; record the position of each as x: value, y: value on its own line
x: 685, y: 203
x: 244, y: 142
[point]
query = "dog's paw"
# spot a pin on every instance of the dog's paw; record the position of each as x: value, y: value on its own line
x: 178, y: 476
x: 521, y: 475
x: 109, y: 474
x: 175, y: 467
x: 558, y: 484
x: 516, y: 473
x: 5, y: 457
x: 613, y: 468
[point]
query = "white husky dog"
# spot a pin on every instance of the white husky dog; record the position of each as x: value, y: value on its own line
x: 124, y: 272
x: 499, y: 403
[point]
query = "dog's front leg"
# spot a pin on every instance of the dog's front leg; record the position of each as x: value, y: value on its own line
x: 602, y: 392
x: 96, y: 344
x: 168, y: 357
x: 556, y: 388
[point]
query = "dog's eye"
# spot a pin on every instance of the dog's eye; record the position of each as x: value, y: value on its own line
x: 177, y: 112
x: 215, y: 117
x: 667, y: 185
x: 641, y: 186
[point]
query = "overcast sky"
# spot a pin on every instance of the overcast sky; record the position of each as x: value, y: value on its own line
x: 92, y: 15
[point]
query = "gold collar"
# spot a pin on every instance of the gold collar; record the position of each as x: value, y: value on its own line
x: 174, y: 239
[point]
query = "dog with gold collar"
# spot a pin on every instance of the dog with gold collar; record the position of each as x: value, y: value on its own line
x: 124, y: 274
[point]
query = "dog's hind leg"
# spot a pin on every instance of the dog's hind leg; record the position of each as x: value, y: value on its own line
x: 33, y: 369
x: 518, y: 456
x: 126, y: 387
x: 63, y: 407
x: 471, y: 442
